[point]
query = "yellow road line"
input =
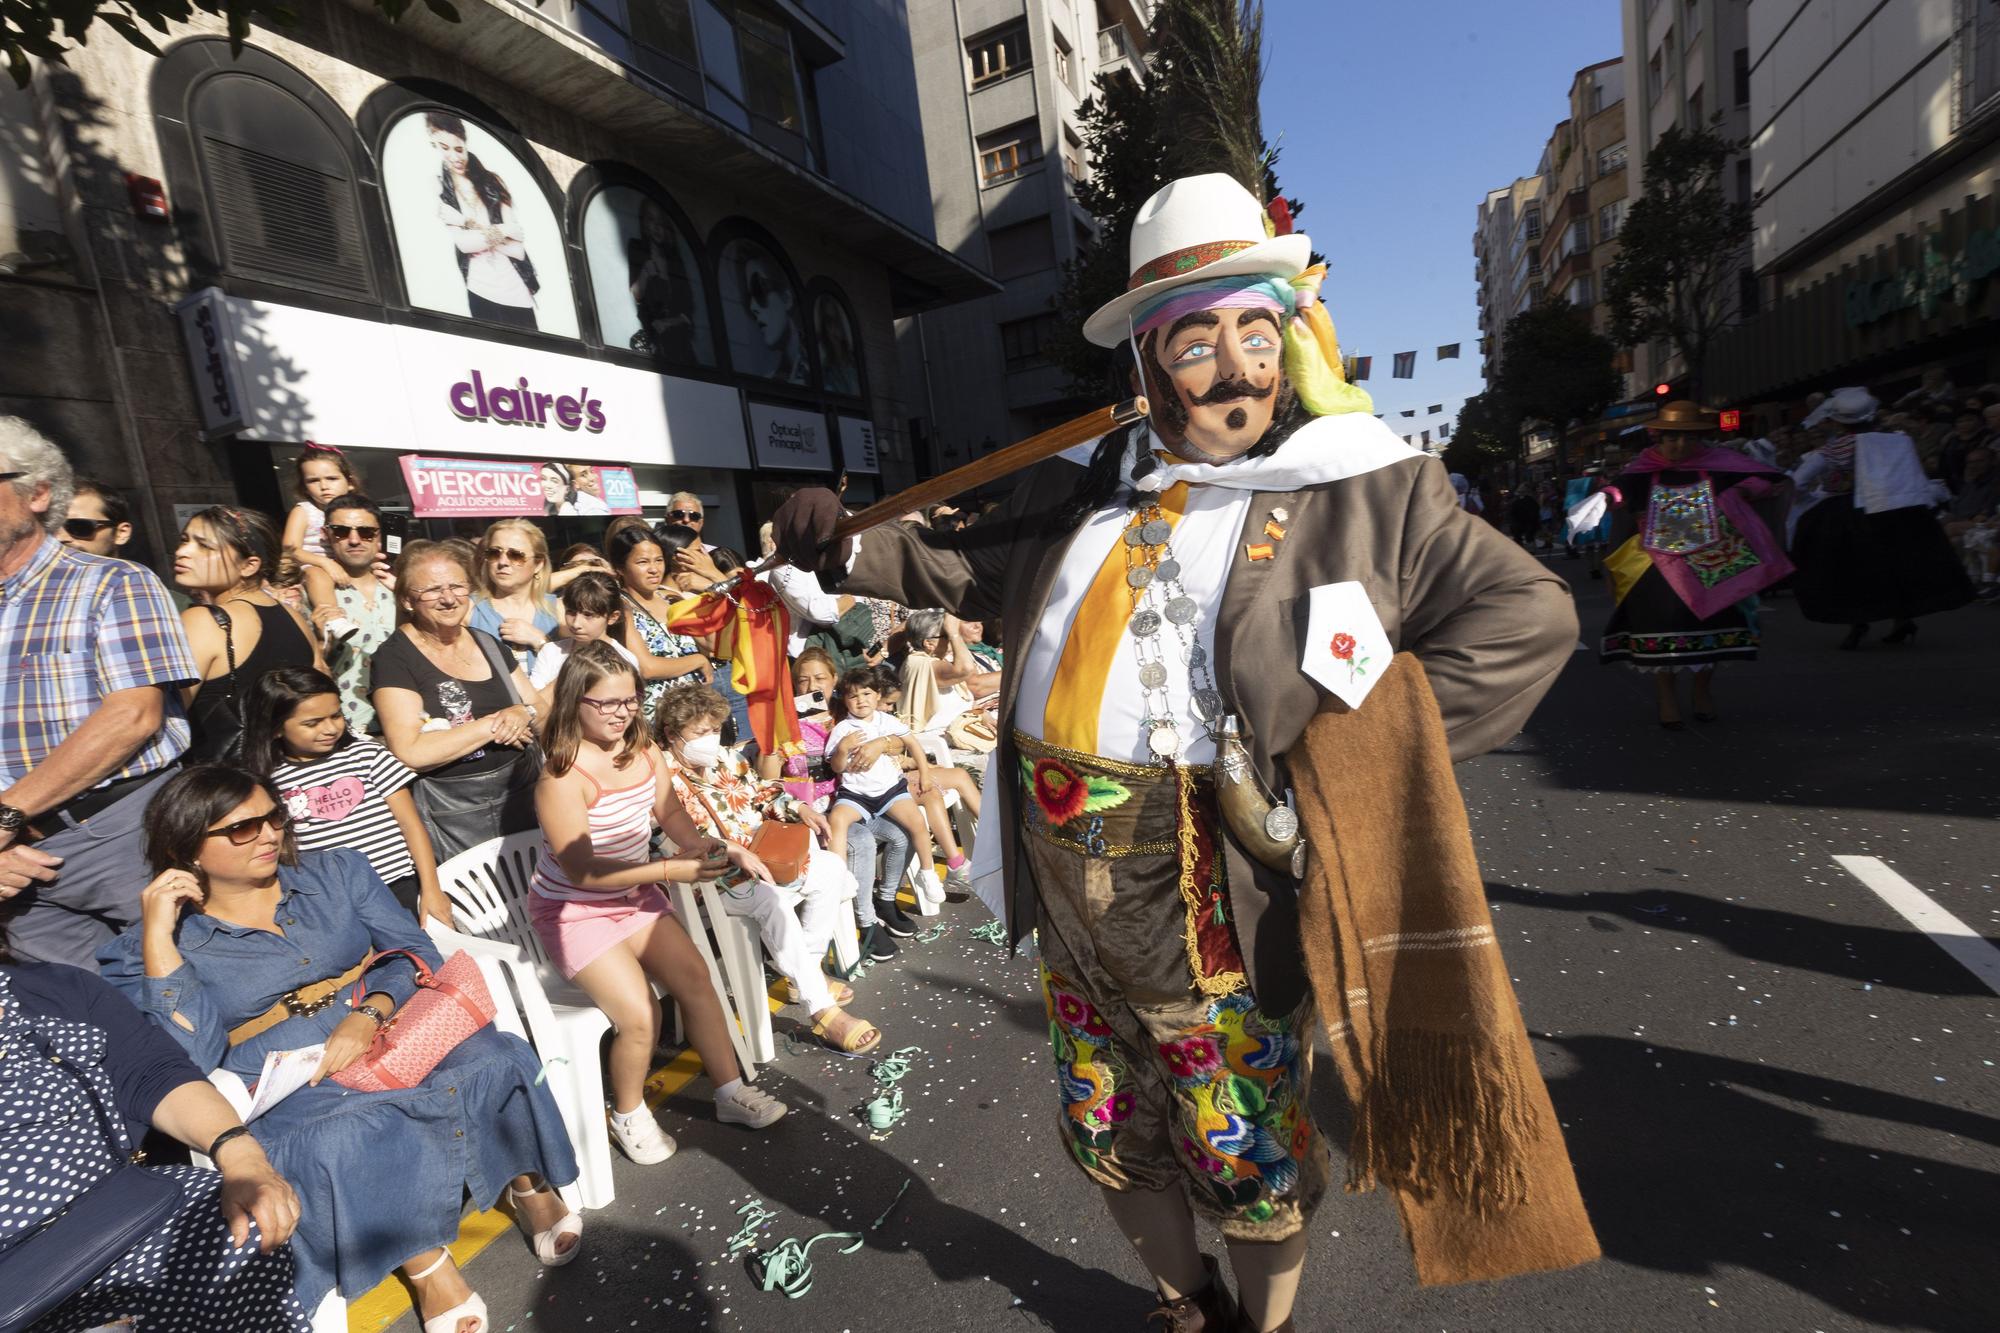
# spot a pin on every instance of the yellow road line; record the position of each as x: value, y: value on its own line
x: 390, y: 1300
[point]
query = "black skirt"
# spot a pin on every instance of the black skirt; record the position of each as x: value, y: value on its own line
x: 1653, y: 630
x: 1855, y: 567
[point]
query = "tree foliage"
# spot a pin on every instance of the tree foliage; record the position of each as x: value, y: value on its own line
x: 1680, y: 248
x: 1488, y: 430
x: 1196, y: 112
x: 46, y: 29
x: 1555, y: 368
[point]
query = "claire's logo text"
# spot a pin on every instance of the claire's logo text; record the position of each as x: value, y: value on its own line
x: 472, y: 400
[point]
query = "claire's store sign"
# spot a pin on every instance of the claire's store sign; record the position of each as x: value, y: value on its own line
x: 521, y: 404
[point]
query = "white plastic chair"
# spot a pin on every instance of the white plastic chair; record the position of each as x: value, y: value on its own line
x: 738, y: 962
x: 489, y: 886
x: 331, y: 1316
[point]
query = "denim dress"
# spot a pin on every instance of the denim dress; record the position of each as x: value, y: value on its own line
x: 380, y: 1176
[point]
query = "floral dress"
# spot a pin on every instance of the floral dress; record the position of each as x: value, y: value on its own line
x: 375, y: 613
x: 661, y: 642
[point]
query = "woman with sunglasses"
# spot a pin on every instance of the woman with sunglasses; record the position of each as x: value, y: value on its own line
x: 597, y: 902
x: 512, y: 586
x: 235, y: 919
x: 640, y: 562
x: 228, y: 557
x: 454, y: 708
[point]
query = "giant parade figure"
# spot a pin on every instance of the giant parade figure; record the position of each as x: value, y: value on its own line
x: 1246, y: 638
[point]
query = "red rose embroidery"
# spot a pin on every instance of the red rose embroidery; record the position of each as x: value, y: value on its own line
x: 1059, y: 791
x: 1343, y: 647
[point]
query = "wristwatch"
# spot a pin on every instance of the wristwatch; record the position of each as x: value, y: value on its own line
x: 381, y: 1019
x: 12, y: 821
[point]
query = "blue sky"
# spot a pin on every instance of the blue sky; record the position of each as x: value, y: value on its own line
x: 1397, y: 118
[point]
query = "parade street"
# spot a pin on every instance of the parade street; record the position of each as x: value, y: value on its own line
x: 1780, y: 1094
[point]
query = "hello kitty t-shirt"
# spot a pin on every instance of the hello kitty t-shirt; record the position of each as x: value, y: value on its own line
x: 343, y: 801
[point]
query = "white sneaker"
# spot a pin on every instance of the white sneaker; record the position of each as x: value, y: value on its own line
x: 642, y: 1139
x: 929, y: 890
x: 750, y: 1105
x: 959, y: 880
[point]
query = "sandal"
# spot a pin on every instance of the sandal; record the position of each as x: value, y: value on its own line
x: 544, y: 1243
x: 843, y: 994
x: 473, y: 1307
x: 858, y: 1037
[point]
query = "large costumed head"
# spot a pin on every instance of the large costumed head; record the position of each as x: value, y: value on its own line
x: 1223, y: 320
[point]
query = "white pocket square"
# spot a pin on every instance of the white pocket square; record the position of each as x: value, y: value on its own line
x: 1346, y: 648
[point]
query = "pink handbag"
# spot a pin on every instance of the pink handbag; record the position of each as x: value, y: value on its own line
x: 450, y: 1005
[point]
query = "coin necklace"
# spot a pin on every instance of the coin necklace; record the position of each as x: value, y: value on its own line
x: 1153, y: 575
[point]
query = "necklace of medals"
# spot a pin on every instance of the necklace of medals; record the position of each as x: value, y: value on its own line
x: 1159, y: 599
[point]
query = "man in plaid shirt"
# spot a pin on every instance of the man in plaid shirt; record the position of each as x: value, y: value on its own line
x: 92, y: 659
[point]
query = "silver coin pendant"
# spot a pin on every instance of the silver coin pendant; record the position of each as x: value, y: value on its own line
x: 1207, y: 705
x: 1153, y: 675
x: 1163, y: 741
x: 1156, y: 531
x: 1182, y: 610
x: 1167, y: 571
x: 1145, y: 625
x: 1281, y: 825
x: 1138, y: 576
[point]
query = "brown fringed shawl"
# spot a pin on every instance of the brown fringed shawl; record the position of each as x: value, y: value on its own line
x: 1450, y: 1111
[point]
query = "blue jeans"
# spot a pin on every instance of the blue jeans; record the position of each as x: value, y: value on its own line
x: 864, y: 840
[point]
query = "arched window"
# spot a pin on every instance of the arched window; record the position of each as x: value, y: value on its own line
x: 764, y: 315
x: 648, y: 276
x: 841, y: 369
x: 274, y: 166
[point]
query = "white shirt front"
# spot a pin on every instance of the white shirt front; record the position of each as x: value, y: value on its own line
x: 1203, y: 542
x: 880, y: 777
x: 810, y: 604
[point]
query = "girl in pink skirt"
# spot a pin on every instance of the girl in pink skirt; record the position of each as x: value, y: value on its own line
x: 597, y: 901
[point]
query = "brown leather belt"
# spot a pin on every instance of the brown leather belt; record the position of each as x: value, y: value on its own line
x: 307, y: 999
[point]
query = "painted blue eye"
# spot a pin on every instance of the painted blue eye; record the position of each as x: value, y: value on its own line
x: 1259, y: 341
x: 1195, y: 352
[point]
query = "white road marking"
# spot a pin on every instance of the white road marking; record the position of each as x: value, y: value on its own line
x: 1916, y: 907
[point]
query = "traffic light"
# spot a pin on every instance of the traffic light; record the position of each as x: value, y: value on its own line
x: 1662, y: 390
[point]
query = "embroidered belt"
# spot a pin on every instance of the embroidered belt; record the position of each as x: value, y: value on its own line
x: 1102, y: 807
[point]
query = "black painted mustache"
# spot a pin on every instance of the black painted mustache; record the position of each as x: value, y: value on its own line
x: 1229, y: 391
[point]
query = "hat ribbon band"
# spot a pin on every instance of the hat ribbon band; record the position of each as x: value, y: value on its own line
x: 1176, y: 262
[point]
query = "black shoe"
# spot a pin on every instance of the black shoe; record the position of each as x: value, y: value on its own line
x: 877, y: 947
x: 1855, y: 634
x: 894, y: 919
x: 1905, y: 631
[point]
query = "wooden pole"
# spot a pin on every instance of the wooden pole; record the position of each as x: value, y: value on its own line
x: 995, y: 465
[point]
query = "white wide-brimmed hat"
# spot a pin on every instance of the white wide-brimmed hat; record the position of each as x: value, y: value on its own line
x: 1191, y: 230
x: 1849, y: 407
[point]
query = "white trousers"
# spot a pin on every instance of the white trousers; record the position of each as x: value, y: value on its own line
x: 796, y: 920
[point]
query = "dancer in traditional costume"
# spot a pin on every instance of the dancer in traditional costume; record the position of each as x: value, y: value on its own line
x: 1263, y: 590
x: 1694, y: 540
x: 1867, y: 543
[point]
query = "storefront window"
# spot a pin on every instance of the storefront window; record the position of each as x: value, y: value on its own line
x: 839, y: 358
x: 645, y: 279
x: 475, y: 232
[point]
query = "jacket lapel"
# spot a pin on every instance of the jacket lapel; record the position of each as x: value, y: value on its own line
x: 1251, y: 587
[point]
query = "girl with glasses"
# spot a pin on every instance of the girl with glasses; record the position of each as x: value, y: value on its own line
x: 597, y: 900
x: 341, y: 790
x: 512, y: 583
x: 237, y: 915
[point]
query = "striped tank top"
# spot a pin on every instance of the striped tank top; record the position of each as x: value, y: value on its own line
x: 621, y: 829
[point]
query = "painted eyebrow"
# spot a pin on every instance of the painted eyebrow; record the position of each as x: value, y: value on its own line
x: 1195, y: 319
x: 1255, y: 313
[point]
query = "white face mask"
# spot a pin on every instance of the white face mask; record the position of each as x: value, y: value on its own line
x: 704, y: 751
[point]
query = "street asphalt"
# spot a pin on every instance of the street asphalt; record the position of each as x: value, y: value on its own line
x: 1780, y: 1095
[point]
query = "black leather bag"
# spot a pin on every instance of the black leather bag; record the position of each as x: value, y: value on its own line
x: 217, y: 711
x: 41, y: 1269
x: 462, y: 810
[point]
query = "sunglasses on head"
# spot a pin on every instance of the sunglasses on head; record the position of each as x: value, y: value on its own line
x: 83, y: 529
x: 682, y: 515
x: 340, y: 532
x: 518, y: 557
x: 244, y: 831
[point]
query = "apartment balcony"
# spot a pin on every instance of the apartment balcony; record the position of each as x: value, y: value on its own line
x: 1117, y: 52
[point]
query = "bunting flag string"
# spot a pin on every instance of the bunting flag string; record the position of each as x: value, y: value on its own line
x: 1448, y: 352
x: 1406, y: 365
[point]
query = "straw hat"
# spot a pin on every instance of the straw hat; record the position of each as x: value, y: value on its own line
x: 1683, y: 414
x: 1191, y: 230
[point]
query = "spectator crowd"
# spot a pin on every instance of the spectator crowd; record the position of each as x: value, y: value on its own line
x: 223, y: 811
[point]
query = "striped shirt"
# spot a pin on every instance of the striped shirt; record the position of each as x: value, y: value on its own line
x: 343, y: 801
x: 75, y: 628
x: 621, y: 829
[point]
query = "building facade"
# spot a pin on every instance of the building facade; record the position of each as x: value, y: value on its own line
x: 561, y: 260
x: 1585, y: 187
x: 1687, y: 63
x: 1001, y: 83
x: 1876, y: 157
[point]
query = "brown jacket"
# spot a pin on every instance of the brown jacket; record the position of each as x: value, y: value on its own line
x: 1489, y: 624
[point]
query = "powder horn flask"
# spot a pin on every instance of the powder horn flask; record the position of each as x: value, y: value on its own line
x: 1261, y: 825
